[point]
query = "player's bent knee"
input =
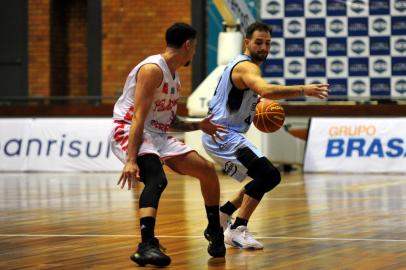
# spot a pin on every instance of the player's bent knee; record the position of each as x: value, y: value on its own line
x: 266, y: 177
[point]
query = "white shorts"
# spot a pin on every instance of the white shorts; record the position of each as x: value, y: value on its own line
x: 224, y: 153
x: 163, y: 145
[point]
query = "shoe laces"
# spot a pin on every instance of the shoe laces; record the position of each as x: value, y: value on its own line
x: 155, y: 242
x: 246, y: 233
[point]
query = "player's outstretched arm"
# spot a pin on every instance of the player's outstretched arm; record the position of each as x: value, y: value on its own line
x: 248, y: 75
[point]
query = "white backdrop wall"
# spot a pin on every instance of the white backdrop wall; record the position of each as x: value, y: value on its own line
x: 56, y: 144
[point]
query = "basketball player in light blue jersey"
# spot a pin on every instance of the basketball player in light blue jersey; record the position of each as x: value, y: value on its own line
x: 233, y: 106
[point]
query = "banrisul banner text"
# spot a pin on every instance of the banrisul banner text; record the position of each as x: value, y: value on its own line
x: 56, y: 144
x: 356, y: 145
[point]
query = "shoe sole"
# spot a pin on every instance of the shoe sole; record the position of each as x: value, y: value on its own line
x: 217, y: 254
x: 142, y: 262
x: 238, y: 245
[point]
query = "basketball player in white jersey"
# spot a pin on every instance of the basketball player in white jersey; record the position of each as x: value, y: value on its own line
x: 142, y: 116
x: 233, y: 106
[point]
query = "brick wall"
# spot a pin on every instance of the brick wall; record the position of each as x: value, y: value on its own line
x: 77, y: 47
x: 38, y: 48
x: 133, y: 30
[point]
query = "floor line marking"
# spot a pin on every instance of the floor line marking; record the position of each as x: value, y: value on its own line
x: 195, y: 236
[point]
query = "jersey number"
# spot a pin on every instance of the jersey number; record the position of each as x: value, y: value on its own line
x: 248, y: 120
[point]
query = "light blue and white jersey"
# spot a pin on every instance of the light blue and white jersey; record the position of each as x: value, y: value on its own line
x: 232, y: 107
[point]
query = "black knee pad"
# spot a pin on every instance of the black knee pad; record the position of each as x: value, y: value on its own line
x: 266, y: 177
x: 246, y: 156
x: 154, y: 179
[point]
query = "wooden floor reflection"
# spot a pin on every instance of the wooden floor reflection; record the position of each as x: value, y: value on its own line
x: 84, y: 221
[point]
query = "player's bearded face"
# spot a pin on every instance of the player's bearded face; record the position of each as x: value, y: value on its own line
x: 259, y: 45
x: 259, y: 55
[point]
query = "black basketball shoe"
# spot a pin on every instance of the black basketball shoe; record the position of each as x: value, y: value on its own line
x: 216, y: 246
x: 150, y: 253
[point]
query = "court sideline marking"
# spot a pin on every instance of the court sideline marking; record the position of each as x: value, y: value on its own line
x: 194, y: 236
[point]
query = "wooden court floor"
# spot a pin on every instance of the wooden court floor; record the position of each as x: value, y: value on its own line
x: 310, y: 221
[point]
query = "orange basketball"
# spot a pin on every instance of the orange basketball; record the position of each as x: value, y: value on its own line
x: 269, y: 116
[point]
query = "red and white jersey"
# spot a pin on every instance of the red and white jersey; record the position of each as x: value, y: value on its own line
x: 164, y: 104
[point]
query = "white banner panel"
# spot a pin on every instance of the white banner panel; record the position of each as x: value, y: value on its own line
x: 56, y: 144
x: 358, y: 145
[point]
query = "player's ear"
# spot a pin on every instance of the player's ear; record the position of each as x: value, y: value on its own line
x: 246, y: 42
x: 187, y: 44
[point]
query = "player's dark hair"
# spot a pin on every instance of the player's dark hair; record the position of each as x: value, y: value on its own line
x: 178, y: 33
x: 257, y: 26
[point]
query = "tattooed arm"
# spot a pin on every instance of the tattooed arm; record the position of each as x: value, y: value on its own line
x: 181, y: 125
x: 205, y: 125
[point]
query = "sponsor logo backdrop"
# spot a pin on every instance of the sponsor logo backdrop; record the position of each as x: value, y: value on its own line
x: 358, y: 46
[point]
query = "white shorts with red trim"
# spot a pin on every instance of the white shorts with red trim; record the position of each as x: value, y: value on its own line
x: 161, y: 144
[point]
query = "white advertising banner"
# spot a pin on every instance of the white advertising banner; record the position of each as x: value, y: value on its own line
x: 56, y: 144
x: 356, y: 145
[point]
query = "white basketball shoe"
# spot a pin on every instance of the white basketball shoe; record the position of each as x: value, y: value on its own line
x: 240, y: 237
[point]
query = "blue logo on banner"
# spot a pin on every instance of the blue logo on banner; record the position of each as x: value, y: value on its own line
x: 273, y: 7
x: 357, y: 6
x: 379, y: 46
x: 358, y: 26
x: 315, y: 7
x: 380, y: 66
x: 379, y: 7
x: 336, y: 46
x: 273, y: 68
x: 358, y: 46
x: 316, y: 67
x: 338, y: 87
x: 400, y: 45
x: 399, y: 66
x: 315, y: 27
x: 359, y: 87
x: 399, y: 25
x: 337, y: 66
x: 400, y: 5
x: 295, y: 67
x: 358, y: 66
x: 275, y: 48
x: 400, y: 86
x: 359, y: 147
x: 294, y: 27
x: 277, y: 27
x: 379, y: 25
x: 294, y: 8
x: 315, y: 47
x: 380, y: 87
x: 294, y: 47
x: 336, y: 8
x: 336, y: 26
